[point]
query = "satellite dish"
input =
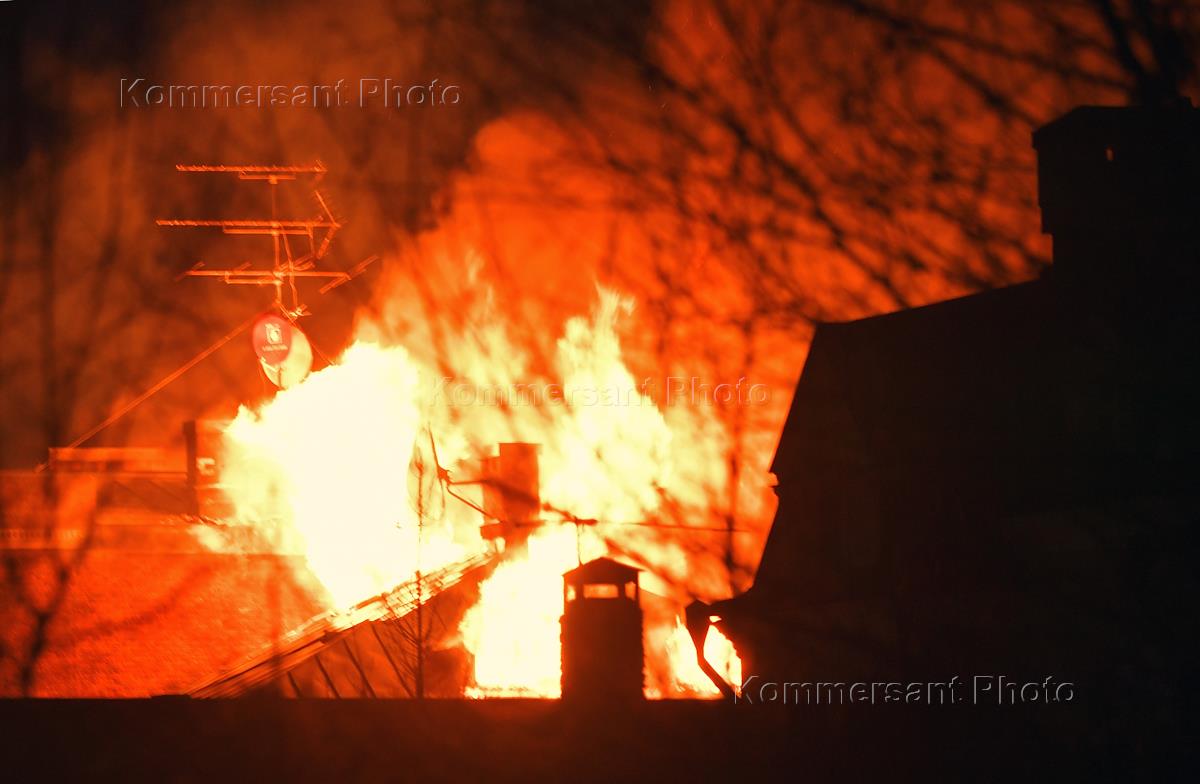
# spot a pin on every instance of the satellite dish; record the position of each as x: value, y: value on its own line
x: 283, y: 351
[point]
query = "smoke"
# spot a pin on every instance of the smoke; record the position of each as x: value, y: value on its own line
x: 92, y: 308
x: 739, y: 174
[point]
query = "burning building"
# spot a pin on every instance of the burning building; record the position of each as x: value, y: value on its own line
x: 509, y: 437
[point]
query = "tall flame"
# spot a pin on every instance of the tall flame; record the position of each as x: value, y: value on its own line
x: 513, y: 631
x: 337, y: 468
x: 325, y: 467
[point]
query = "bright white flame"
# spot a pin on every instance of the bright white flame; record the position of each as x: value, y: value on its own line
x: 337, y: 468
x: 329, y: 460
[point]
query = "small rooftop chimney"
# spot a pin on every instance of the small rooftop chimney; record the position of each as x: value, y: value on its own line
x: 511, y: 494
x: 1119, y: 190
x: 602, y: 655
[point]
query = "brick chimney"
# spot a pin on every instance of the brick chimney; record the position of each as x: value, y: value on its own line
x: 1119, y: 190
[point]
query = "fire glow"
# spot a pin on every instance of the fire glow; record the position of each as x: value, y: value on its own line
x: 341, y: 469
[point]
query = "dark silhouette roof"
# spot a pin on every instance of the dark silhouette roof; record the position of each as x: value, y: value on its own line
x: 907, y: 430
x: 1004, y: 480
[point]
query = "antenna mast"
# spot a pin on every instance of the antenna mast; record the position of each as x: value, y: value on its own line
x: 315, y: 237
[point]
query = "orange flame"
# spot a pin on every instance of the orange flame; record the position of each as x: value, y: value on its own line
x: 513, y: 630
x: 336, y: 468
x: 686, y: 678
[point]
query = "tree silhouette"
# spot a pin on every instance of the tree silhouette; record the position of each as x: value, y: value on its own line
x: 743, y: 170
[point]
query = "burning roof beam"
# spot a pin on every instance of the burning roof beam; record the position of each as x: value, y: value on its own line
x: 320, y: 633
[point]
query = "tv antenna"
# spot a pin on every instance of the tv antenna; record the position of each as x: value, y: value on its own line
x: 298, y: 243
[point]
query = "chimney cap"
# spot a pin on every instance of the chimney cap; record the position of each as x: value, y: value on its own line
x: 604, y: 570
x: 1084, y: 123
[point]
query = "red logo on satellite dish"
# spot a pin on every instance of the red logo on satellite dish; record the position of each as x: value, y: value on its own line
x: 283, y: 351
x: 272, y: 339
